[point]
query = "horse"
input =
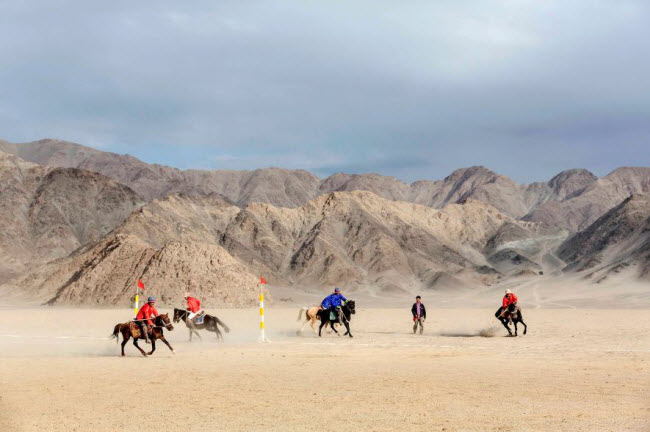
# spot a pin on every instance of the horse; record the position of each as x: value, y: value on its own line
x: 209, y: 323
x: 311, y: 317
x: 127, y: 330
x: 347, y: 310
x: 513, y: 313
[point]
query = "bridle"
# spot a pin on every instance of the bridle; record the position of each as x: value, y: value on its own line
x: 182, y: 314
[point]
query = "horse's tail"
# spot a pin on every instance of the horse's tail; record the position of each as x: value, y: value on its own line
x: 223, y: 324
x: 116, y: 333
x: 300, y: 313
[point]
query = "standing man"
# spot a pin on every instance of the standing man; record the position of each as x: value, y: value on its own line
x: 193, y: 308
x: 419, y: 314
x: 145, y: 313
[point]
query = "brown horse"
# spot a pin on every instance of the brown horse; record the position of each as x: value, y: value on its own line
x: 130, y: 329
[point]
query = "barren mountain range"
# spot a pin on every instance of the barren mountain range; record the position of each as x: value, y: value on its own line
x: 48, y: 212
x: 81, y: 225
x: 572, y: 199
x: 617, y: 240
x: 356, y: 239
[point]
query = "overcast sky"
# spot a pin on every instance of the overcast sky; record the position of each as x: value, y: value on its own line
x: 411, y: 89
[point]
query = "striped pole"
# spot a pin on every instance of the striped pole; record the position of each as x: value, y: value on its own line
x: 135, y: 305
x: 138, y: 286
x: 262, y: 336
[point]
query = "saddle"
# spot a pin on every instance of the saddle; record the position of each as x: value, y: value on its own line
x: 510, y: 314
x: 199, y: 318
x: 135, y: 330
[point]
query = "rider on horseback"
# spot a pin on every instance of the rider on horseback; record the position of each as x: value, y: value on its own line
x: 508, y: 299
x: 193, y: 308
x: 144, y: 314
x: 333, y: 303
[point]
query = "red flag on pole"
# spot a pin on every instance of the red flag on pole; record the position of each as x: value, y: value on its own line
x: 263, y: 281
x: 140, y: 284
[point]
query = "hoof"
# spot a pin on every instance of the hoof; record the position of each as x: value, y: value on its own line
x: 173, y: 352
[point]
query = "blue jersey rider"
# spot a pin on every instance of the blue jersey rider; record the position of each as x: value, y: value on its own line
x: 333, y: 302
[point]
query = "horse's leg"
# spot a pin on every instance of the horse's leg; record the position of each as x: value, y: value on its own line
x: 347, y: 326
x: 302, y: 326
x: 125, y: 339
x: 332, y: 327
x: 504, y: 322
x: 217, y: 332
x: 525, y: 326
x: 164, y: 339
x: 515, y: 322
x: 320, y: 329
x: 135, y: 342
x: 197, y: 334
x: 153, y: 345
x: 307, y: 320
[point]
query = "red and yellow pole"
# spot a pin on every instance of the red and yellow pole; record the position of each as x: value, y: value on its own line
x: 262, y: 335
x: 262, y: 325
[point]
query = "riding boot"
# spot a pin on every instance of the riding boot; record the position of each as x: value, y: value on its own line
x: 146, y: 334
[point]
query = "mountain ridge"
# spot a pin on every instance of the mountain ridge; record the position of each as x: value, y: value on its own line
x: 572, y: 199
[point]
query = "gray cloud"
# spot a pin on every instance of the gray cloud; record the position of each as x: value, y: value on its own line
x: 410, y: 89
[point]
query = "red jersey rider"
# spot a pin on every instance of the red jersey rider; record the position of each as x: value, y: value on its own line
x: 145, y: 314
x: 508, y: 299
x: 193, y: 308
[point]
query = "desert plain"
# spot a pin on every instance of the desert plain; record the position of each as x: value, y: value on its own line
x: 577, y: 369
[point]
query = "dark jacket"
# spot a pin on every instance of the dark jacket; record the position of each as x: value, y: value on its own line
x: 423, y: 311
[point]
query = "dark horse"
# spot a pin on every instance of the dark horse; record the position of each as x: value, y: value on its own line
x: 513, y: 313
x: 347, y: 312
x: 160, y: 322
x: 209, y: 323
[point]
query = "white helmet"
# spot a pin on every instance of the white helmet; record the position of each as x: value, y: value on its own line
x: 508, y: 291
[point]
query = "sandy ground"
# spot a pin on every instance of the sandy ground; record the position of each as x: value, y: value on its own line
x: 578, y: 370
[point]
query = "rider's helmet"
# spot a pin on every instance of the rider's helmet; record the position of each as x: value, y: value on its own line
x: 337, y: 290
x: 151, y: 299
x: 508, y: 291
